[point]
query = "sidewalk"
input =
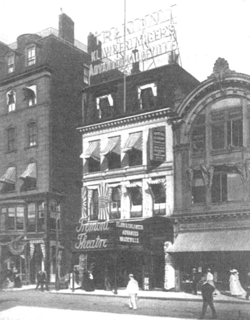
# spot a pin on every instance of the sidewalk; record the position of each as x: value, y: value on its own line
x: 224, y: 297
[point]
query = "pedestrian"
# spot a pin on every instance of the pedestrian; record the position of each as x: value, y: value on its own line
x: 89, y: 281
x: 207, y: 290
x: 195, y: 280
x: 39, y: 279
x: 132, y: 290
x: 248, y: 286
x: 44, y: 280
x: 235, y: 285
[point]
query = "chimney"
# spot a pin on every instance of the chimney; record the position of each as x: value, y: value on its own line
x: 66, y: 28
x: 136, y: 63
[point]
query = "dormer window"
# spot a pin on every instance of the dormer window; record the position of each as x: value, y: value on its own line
x: 105, y: 106
x: 11, y: 62
x: 11, y: 100
x: 147, y: 95
x: 30, y: 95
x: 31, y: 55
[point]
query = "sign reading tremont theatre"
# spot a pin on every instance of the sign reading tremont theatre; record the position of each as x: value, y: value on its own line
x: 106, y: 235
x: 93, y: 236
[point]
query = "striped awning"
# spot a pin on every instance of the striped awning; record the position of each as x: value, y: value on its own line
x: 93, y: 150
x: 9, y: 176
x: 113, y: 145
x: 134, y: 141
x: 30, y: 171
x: 221, y: 240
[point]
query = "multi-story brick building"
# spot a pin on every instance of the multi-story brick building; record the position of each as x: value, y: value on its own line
x: 41, y: 79
x: 127, y: 195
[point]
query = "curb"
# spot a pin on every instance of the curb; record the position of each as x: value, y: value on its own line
x: 150, y: 297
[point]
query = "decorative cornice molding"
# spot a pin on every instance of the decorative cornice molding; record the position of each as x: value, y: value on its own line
x: 133, y: 119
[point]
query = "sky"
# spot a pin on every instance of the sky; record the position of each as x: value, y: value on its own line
x: 206, y: 29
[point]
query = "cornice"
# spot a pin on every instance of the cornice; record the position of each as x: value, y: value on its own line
x: 121, y: 122
x: 24, y: 75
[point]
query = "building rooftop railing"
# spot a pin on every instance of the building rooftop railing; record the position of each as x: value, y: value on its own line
x: 52, y: 31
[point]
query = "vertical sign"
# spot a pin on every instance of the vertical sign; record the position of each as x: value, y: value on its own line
x: 159, y: 144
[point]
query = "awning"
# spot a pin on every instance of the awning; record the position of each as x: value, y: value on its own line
x: 30, y: 171
x: 221, y: 240
x: 93, y: 151
x: 9, y: 176
x: 113, y: 145
x: 134, y: 141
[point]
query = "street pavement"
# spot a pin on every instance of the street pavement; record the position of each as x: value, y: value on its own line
x: 35, y: 313
x: 26, y: 304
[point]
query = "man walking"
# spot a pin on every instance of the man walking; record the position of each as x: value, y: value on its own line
x: 207, y: 290
x: 132, y: 289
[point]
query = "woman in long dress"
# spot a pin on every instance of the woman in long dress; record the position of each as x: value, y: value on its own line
x: 234, y: 283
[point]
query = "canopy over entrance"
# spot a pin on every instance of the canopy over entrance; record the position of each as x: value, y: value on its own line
x: 221, y: 240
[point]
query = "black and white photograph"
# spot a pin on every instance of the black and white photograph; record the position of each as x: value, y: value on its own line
x: 125, y: 159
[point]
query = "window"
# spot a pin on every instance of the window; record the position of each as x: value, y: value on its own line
x: 199, y: 134
x: 227, y: 129
x: 198, y: 188
x: 40, y: 222
x: 227, y: 184
x: 30, y: 95
x: 94, y: 206
x: 32, y: 134
x: 31, y: 217
x: 15, y: 217
x: 11, y: 100
x: 8, y: 180
x: 11, y: 136
x: 92, y: 156
x: 105, y: 106
x: 147, y: 95
x: 112, y: 153
x: 135, y: 194
x: 29, y: 177
x: 11, y: 62
x: 2, y: 219
x: 115, y: 205
x: 133, y: 148
x: 86, y: 74
x: 31, y: 56
x: 35, y: 217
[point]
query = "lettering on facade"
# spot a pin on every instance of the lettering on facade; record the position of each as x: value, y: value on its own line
x: 128, y: 232
x: 95, y: 242
x: 159, y: 144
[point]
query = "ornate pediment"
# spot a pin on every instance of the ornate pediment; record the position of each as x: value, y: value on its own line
x: 221, y: 69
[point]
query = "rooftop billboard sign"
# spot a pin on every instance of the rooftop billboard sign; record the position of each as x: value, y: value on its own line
x: 142, y: 39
